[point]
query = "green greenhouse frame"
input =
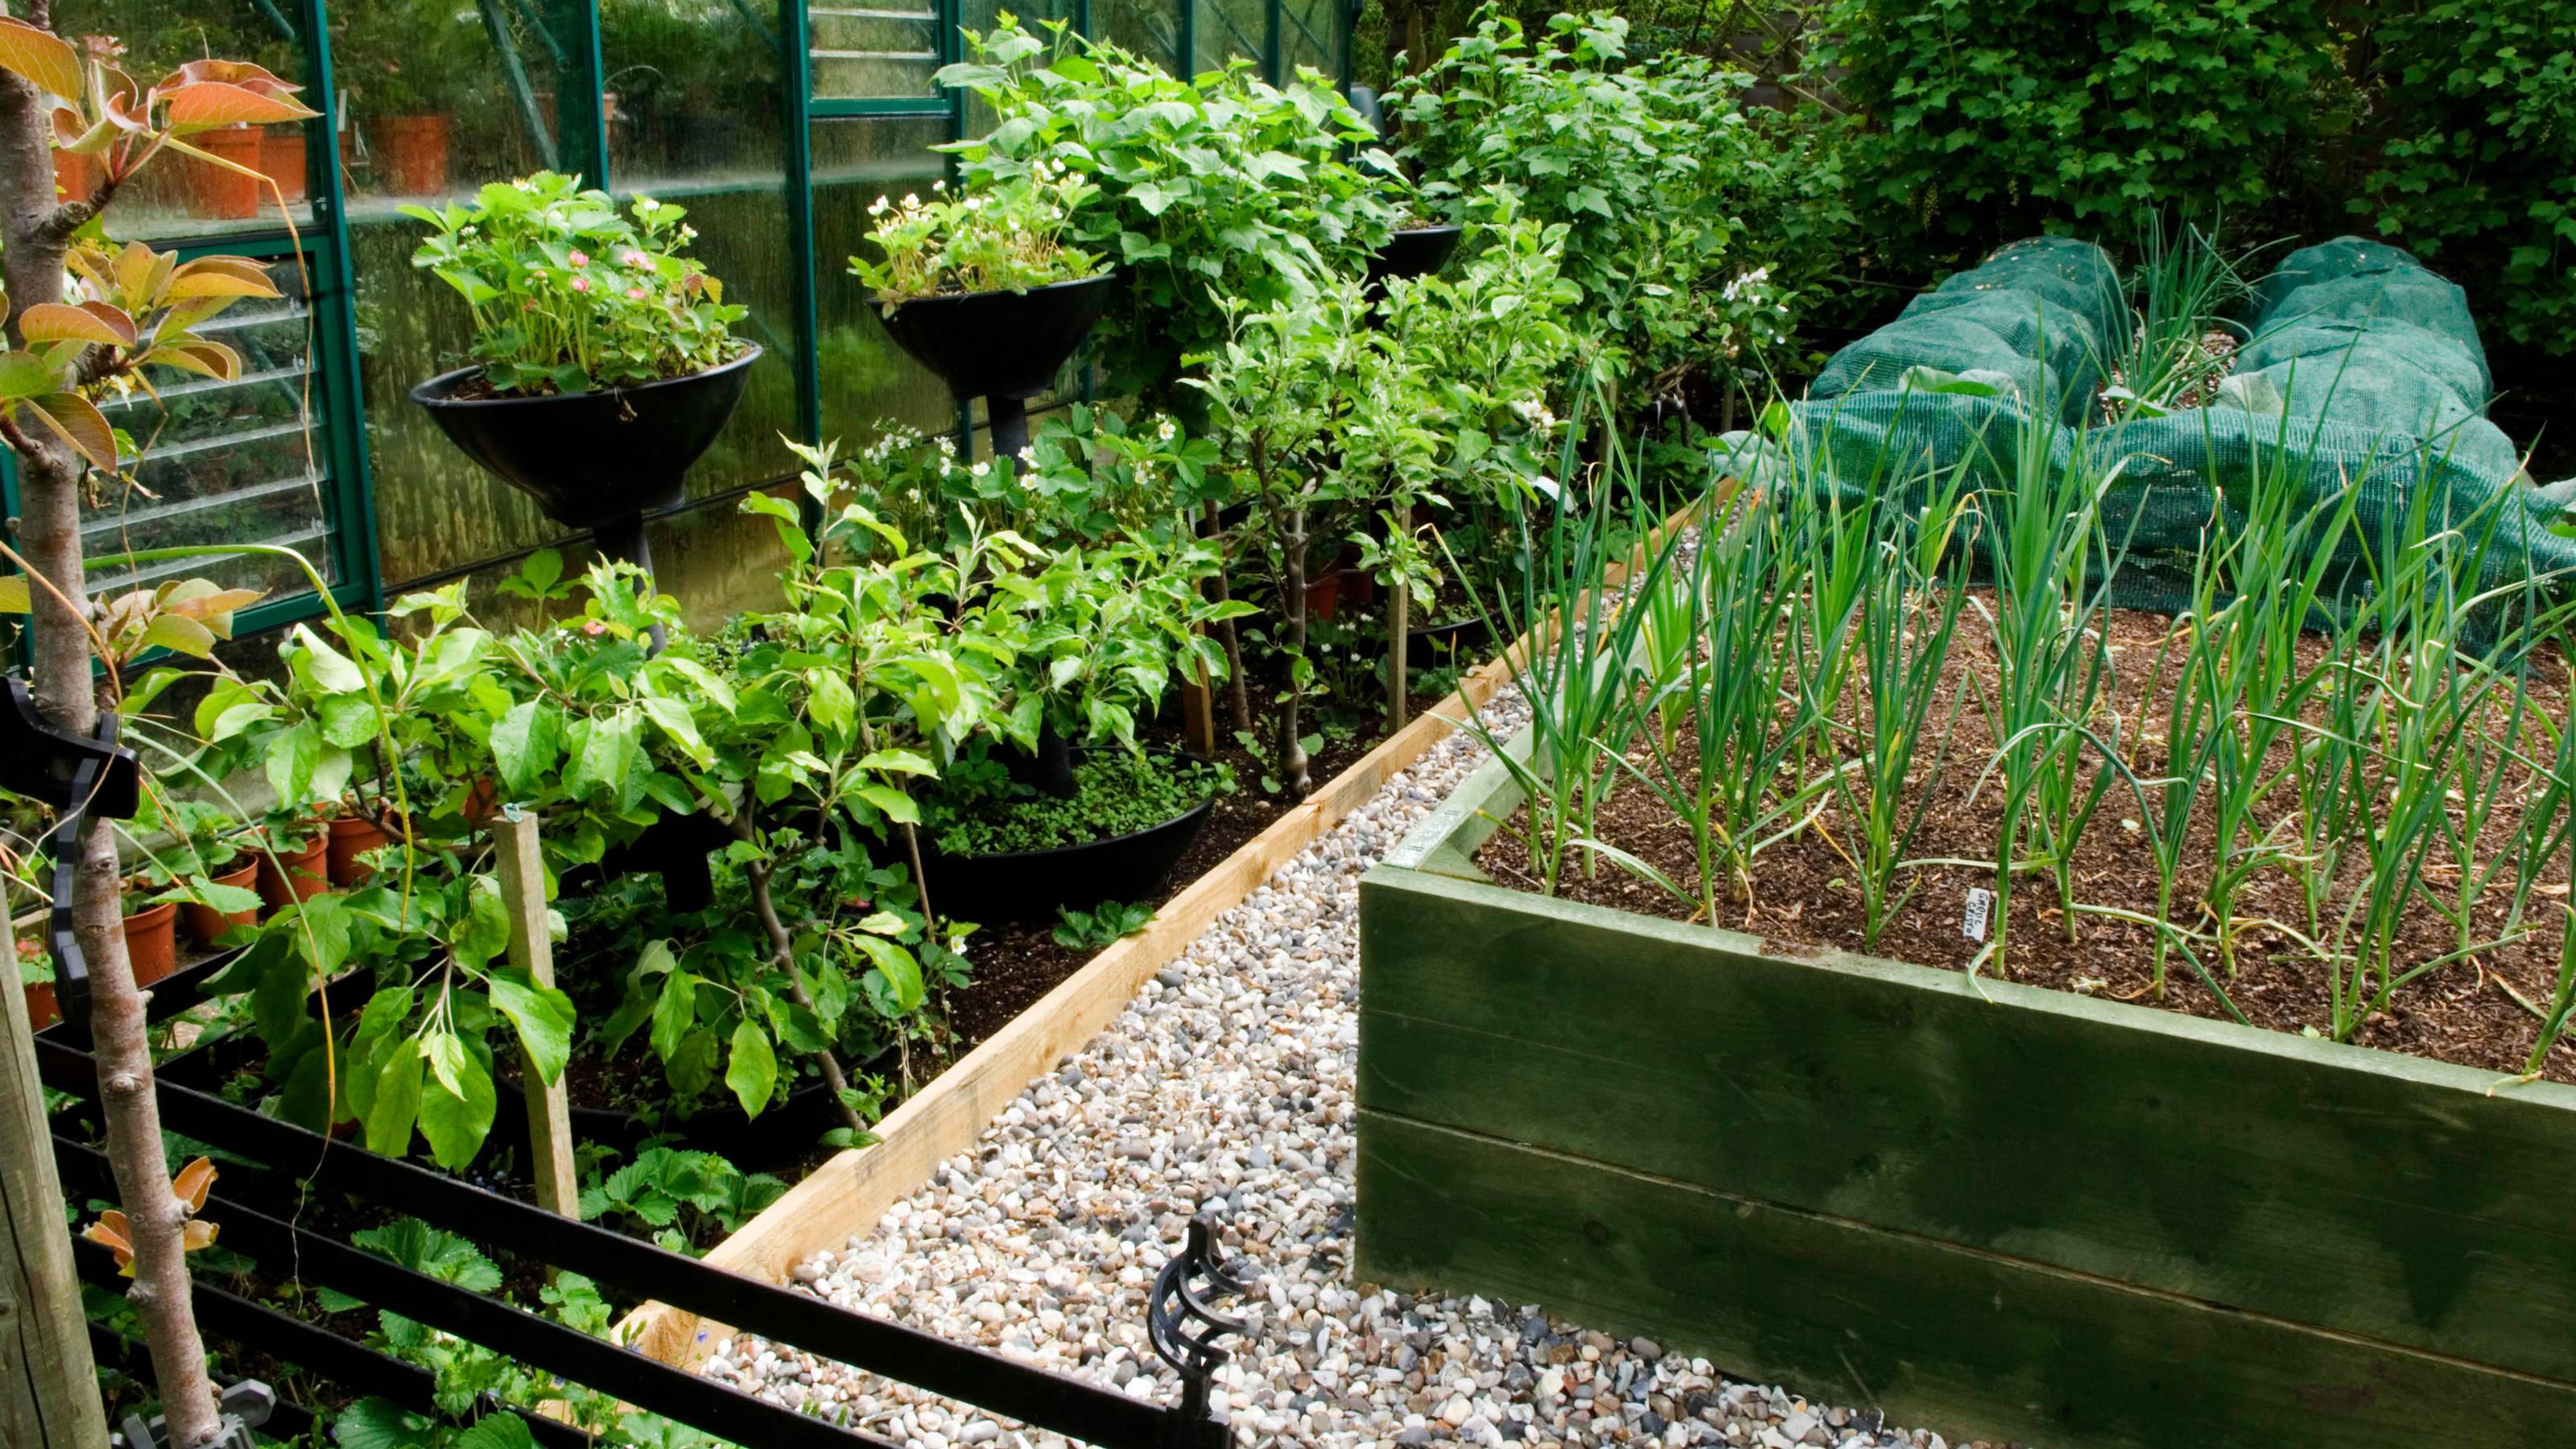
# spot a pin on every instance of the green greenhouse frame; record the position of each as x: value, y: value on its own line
x: 775, y: 128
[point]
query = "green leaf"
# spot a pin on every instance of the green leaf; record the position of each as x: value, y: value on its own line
x: 674, y: 718
x: 292, y: 754
x: 674, y: 1014
x: 457, y: 1121
x: 753, y: 1069
x: 526, y: 744
x: 544, y: 1017
x: 179, y: 634
x: 898, y: 806
x: 24, y: 375
x: 496, y: 1431
x: 325, y: 668
x: 396, y: 1100
x: 381, y: 1424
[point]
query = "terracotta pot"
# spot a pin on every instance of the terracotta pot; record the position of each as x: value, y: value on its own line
x: 353, y: 836
x: 214, y: 193
x: 77, y: 176
x: 1359, y: 586
x: 281, y: 159
x: 1323, y: 597
x: 205, y: 923
x: 411, y: 155
x: 152, y: 941
x: 482, y: 802
x: 306, y: 867
x: 41, y: 1010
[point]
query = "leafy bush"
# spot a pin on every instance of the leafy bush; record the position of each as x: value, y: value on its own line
x: 1212, y: 190
x: 568, y: 295
x: 1983, y: 122
x: 2478, y: 170
x: 1634, y: 157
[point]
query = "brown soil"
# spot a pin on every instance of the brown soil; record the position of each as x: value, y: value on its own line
x: 1802, y: 892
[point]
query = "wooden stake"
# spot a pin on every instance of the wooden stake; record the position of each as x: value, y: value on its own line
x: 532, y: 949
x: 1198, y: 710
x: 48, y: 1386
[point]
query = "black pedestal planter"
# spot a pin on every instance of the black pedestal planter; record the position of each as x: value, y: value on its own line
x: 1003, y: 347
x: 1029, y: 885
x: 1415, y: 253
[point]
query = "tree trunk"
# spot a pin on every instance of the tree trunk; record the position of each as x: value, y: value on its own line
x: 1292, y: 750
x: 31, y: 262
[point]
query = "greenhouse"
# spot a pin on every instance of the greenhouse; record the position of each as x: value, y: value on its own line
x: 907, y: 725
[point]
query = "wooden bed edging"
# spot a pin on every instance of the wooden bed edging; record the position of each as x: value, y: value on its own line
x: 1987, y: 1208
x: 844, y: 1197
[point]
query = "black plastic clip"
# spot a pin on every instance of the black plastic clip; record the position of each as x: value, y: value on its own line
x: 246, y: 1406
x: 79, y: 778
x: 1176, y: 1309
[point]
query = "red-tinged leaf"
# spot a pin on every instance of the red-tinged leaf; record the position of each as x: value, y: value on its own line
x: 219, y: 277
x: 204, y: 105
x: 197, y: 1234
x: 229, y: 72
x: 41, y: 57
x: 24, y: 374
x: 54, y: 322
x: 134, y: 267
x: 193, y: 1182
x: 206, y: 359
x: 78, y: 422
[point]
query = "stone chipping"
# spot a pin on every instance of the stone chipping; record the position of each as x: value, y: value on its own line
x: 1228, y: 1082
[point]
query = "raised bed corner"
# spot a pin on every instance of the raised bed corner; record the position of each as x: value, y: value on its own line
x: 1997, y: 1211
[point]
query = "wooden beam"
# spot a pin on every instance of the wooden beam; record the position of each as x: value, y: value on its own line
x: 532, y: 949
x: 48, y: 1386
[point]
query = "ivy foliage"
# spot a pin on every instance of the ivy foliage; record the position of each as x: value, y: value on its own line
x: 1981, y: 120
x: 2478, y: 174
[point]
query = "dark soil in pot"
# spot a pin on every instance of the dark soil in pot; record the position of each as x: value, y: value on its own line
x: 1033, y: 883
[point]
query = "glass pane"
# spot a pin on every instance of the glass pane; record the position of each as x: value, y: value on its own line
x: 177, y: 195
x: 1228, y: 28
x: 1310, y: 35
x: 440, y: 97
x: 1151, y: 29
x: 865, y: 376
x: 874, y: 50
x: 242, y: 461
x: 697, y: 122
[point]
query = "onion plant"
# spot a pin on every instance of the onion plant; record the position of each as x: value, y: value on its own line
x: 2051, y: 560
x: 1908, y: 614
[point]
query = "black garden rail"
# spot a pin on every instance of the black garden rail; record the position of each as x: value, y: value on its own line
x: 1181, y: 1325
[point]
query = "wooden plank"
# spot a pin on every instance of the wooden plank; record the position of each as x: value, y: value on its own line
x: 1971, y: 1343
x: 846, y: 1195
x: 48, y: 1385
x: 2367, y: 1193
x: 523, y: 891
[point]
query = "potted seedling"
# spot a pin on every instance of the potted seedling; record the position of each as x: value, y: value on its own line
x: 983, y: 290
x: 151, y: 926
x: 36, y: 977
x: 605, y: 364
x: 292, y: 858
x: 216, y: 879
x: 357, y: 827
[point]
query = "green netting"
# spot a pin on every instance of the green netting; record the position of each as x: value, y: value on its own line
x: 2362, y: 371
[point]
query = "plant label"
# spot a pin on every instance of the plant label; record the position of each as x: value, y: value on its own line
x: 1972, y: 921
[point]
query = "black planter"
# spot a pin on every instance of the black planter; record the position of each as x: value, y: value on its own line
x: 1472, y: 633
x: 1030, y: 885
x: 1003, y: 347
x: 1415, y: 253
x: 592, y: 458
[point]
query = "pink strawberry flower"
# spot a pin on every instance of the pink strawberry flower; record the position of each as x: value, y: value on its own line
x: 581, y: 284
x: 580, y: 259
x: 635, y: 292
x: 632, y: 257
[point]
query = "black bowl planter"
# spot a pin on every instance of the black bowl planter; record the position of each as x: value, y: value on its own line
x: 596, y: 460
x: 1415, y: 253
x: 1030, y: 885
x: 1003, y: 347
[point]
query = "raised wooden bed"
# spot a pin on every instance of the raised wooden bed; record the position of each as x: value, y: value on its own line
x: 1996, y: 1211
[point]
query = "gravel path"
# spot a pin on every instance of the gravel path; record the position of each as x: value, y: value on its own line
x: 1231, y: 1076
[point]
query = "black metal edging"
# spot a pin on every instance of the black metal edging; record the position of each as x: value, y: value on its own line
x: 309, y: 1347
x: 924, y: 1360
x: 692, y: 1399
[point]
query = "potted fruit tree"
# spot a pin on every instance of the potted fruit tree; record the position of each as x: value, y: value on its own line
x: 983, y: 290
